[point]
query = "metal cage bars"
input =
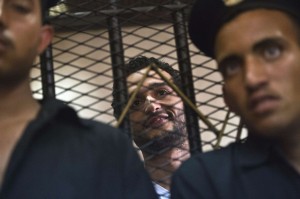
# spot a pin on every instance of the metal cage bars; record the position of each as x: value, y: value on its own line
x: 117, y: 58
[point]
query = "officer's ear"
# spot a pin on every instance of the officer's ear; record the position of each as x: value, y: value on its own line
x: 46, y: 36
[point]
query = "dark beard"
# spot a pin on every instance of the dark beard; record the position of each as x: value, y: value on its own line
x: 164, y: 142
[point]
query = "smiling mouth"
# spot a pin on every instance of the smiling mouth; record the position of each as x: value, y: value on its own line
x: 157, y: 120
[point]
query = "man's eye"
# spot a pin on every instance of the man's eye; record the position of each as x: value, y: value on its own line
x: 162, y: 92
x: 20, y: 8
x: 272, y: 52
x: 230, y: 68
x: 137, y: 103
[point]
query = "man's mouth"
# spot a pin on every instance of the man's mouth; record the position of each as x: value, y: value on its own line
x: 4, y: 43
x: 157, y: 120
x: 263, y: 104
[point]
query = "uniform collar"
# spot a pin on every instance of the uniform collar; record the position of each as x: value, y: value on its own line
x: 52, y: 108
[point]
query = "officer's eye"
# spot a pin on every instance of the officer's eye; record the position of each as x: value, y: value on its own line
x: 272, y: 51
x: 21, y: 7
x: 230, y: 67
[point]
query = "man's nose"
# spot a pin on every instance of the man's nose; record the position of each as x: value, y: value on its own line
x: 152, y: 105
x: 255, y: 73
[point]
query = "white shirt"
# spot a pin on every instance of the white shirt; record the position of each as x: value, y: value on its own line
x: 162, y: 192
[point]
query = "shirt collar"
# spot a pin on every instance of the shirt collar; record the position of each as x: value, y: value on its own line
x: 56, y: 109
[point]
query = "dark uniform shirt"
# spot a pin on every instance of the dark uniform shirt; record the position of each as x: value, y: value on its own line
x: 251, y: 170
x: 61, y: 156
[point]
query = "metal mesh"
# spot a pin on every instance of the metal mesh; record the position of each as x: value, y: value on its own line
x: 94, y: 38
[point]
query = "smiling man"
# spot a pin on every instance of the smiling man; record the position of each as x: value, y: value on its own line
x: 157, y: 118
x: 156, y: 113
x: 256, y: 44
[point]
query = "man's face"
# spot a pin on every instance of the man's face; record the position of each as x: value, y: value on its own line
x: 258, y: 54
x: 156, y: 114
x: 22, y: 38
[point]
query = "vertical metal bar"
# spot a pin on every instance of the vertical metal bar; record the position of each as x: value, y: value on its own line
x: 47, y: 68
x: 117, y: 58
x: 192, y: 121
x: 47, y: 73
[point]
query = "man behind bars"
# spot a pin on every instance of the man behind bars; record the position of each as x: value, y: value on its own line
x: 157, y: 119
x: 256, y: 44
x: 46, y: 151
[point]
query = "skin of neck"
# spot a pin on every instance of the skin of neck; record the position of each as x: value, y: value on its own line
x: 18, y: 108
x: 17, y: 102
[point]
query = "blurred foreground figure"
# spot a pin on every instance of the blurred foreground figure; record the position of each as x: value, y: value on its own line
x: 46, y: 151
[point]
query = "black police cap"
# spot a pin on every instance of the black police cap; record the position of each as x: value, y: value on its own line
x: 46, y: 4
x: 208, y: 16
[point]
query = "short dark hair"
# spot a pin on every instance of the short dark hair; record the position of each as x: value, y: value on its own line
x: 136, y: 64
x: 46, y: 4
